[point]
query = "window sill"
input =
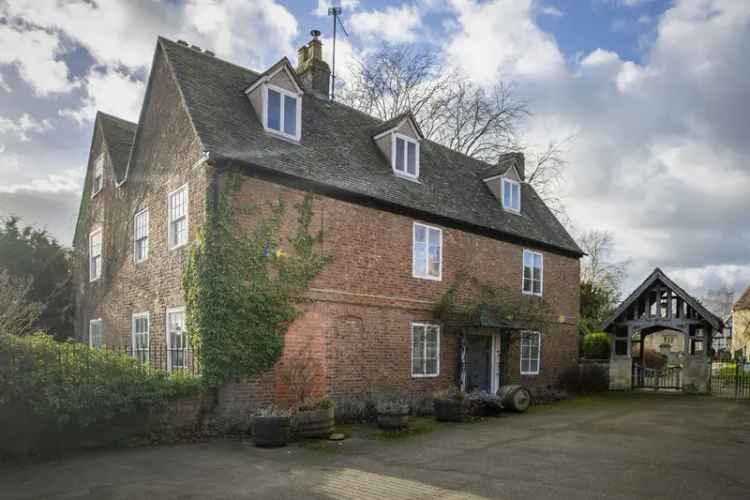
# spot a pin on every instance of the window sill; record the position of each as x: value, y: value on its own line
x: 425, y: 376
x: 427, y: 278
x: 529, y: 374
x: 532, y: 294
x: 142, y: 260
x: 285, y: 137
x: 177, y: 247
x: 94, y: 280
x: 407, y: 177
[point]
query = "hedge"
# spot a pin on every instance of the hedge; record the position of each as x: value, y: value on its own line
x: 596, y: 345
x: 68, y: 387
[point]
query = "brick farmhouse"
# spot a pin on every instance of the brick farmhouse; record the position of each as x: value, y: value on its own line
x: 402, y: 217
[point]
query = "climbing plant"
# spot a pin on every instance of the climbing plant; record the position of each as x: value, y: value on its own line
x: 242, y: 287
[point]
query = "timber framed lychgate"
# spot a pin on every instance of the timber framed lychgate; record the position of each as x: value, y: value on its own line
x: 659, y: 305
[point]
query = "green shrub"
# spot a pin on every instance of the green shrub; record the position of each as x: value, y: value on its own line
x: 596, y: 345
x: 72, y: 386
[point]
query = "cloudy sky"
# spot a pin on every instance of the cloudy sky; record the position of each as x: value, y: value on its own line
x: 656, y: 94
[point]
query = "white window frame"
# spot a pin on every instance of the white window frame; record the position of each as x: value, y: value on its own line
x: 298, y: 97
x: 541, y: 273
x: 98, y: 173
x: 141, y: 315
x: 414, y: 274
x: 538, y: 351
x: 142, y: 213
x: 406, y: 140
x: 508, y: 205
x: 168, y: 312
x: 92, y: 322
x: 100, y: 233
x: 437, y: 349
x: 169, y: 217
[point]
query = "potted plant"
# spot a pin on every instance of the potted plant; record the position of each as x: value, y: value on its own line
x: 449, y: 405
x: 314, y: 417
x: 393, y: 414
x: 271, y: 427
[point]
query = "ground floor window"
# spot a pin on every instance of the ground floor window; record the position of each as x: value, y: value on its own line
x: 140, y: 336
x: 178, y: 342
x: 425, y: 350
x: 530, y: 353
x: 96, y: 333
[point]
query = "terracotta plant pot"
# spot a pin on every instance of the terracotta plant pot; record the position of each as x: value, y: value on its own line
x: 270, y: 431
x: 394, y: 418
x: 449, y: 410
x: 315, y: 423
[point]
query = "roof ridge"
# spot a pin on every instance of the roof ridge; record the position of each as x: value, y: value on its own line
x: 116, y: 118
x: 214, y: 57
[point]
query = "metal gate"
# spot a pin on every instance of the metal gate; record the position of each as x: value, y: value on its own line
x: 730, y: 379
x: 668, y: 377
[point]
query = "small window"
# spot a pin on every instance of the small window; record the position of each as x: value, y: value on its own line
x: 427, y: 252
x: 405, y: 156
x: 96, y: 333
x: 141, y: 337
x: 178, y: 217
x: 530, y: 353
x: 97, y: 183
x: 282, y: 112
x: 178, y: 342
x: 511, y: 195
x: 140, y: 236
x: 95, y: 255
x: 533, y: 266
x: 425, y: 350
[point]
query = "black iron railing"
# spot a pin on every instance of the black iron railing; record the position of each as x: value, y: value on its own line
x: 668, y: 377
x: 161, y: 357
x: 731, y: 379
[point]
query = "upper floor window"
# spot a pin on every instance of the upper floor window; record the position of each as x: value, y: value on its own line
x: 405, y: 156
x: 427, y: 252
x: 530, y: 353
x: 283, y: 112
x: 511, y: 195
x: 96, y: 333
x: 425, y: 350
x: 95, y: 255
x: 141, y: 336
x: 97, y: 182
x: 178, y: 217
x: 140, y: 236
x: 533, y: 267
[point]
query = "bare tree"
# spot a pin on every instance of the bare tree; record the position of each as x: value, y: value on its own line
x: 547, y: 173
x: 17, y: 314
x: 719, y: 301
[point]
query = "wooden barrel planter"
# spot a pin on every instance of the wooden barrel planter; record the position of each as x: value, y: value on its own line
x: 393, y: 416
x: 270, y: 431
x: 515, y: 397
x: 449, y: 410
x: 315, y: 424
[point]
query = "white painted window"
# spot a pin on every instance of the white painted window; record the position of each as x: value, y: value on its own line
x: 283, y: 112
x: 405, y: 156
x: 178, y: 217
x: 533, y: 269
x: 97, y: 182
x: 178, y: 342
x: 425, y: 350
x: 141, y: 336
x: 530, y: 353
x: 511, y: 195
x: 427, y: 252
x: 140, y: 236
x: 96, y: 333
x: 95, y: 255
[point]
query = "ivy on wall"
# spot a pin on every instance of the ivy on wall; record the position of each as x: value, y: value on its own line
x: 242, y: 287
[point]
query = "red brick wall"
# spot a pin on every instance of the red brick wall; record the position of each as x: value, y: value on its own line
x: 359, y: 321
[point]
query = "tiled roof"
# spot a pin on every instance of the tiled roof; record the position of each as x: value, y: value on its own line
x: 743, y: 302
x: 337, y: 150
x: 118, y: 135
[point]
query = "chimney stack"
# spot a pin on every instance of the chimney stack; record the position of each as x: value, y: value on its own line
x: 312, y: 69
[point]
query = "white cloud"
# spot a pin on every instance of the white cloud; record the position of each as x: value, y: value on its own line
x: 111, y: 91
x: 68, y: 180
x: 24, y: 125
x: 501, y: 36
x: 36, y: 54
x: 550, y: 10
x: 392, y: 24
x: 3, y: 85
x: 347, y: 6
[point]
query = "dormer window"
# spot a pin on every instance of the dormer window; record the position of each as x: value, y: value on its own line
x: 282, y: 112
x: 405, y: 156
x: 97, y: 182
x: 511, y: 195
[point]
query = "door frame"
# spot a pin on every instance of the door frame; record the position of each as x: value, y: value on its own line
x: 494, y: 359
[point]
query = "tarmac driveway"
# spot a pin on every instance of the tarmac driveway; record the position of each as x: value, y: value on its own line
x: 614, y: 446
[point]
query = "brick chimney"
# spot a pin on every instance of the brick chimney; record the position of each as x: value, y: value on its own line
x: 312, y: 69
